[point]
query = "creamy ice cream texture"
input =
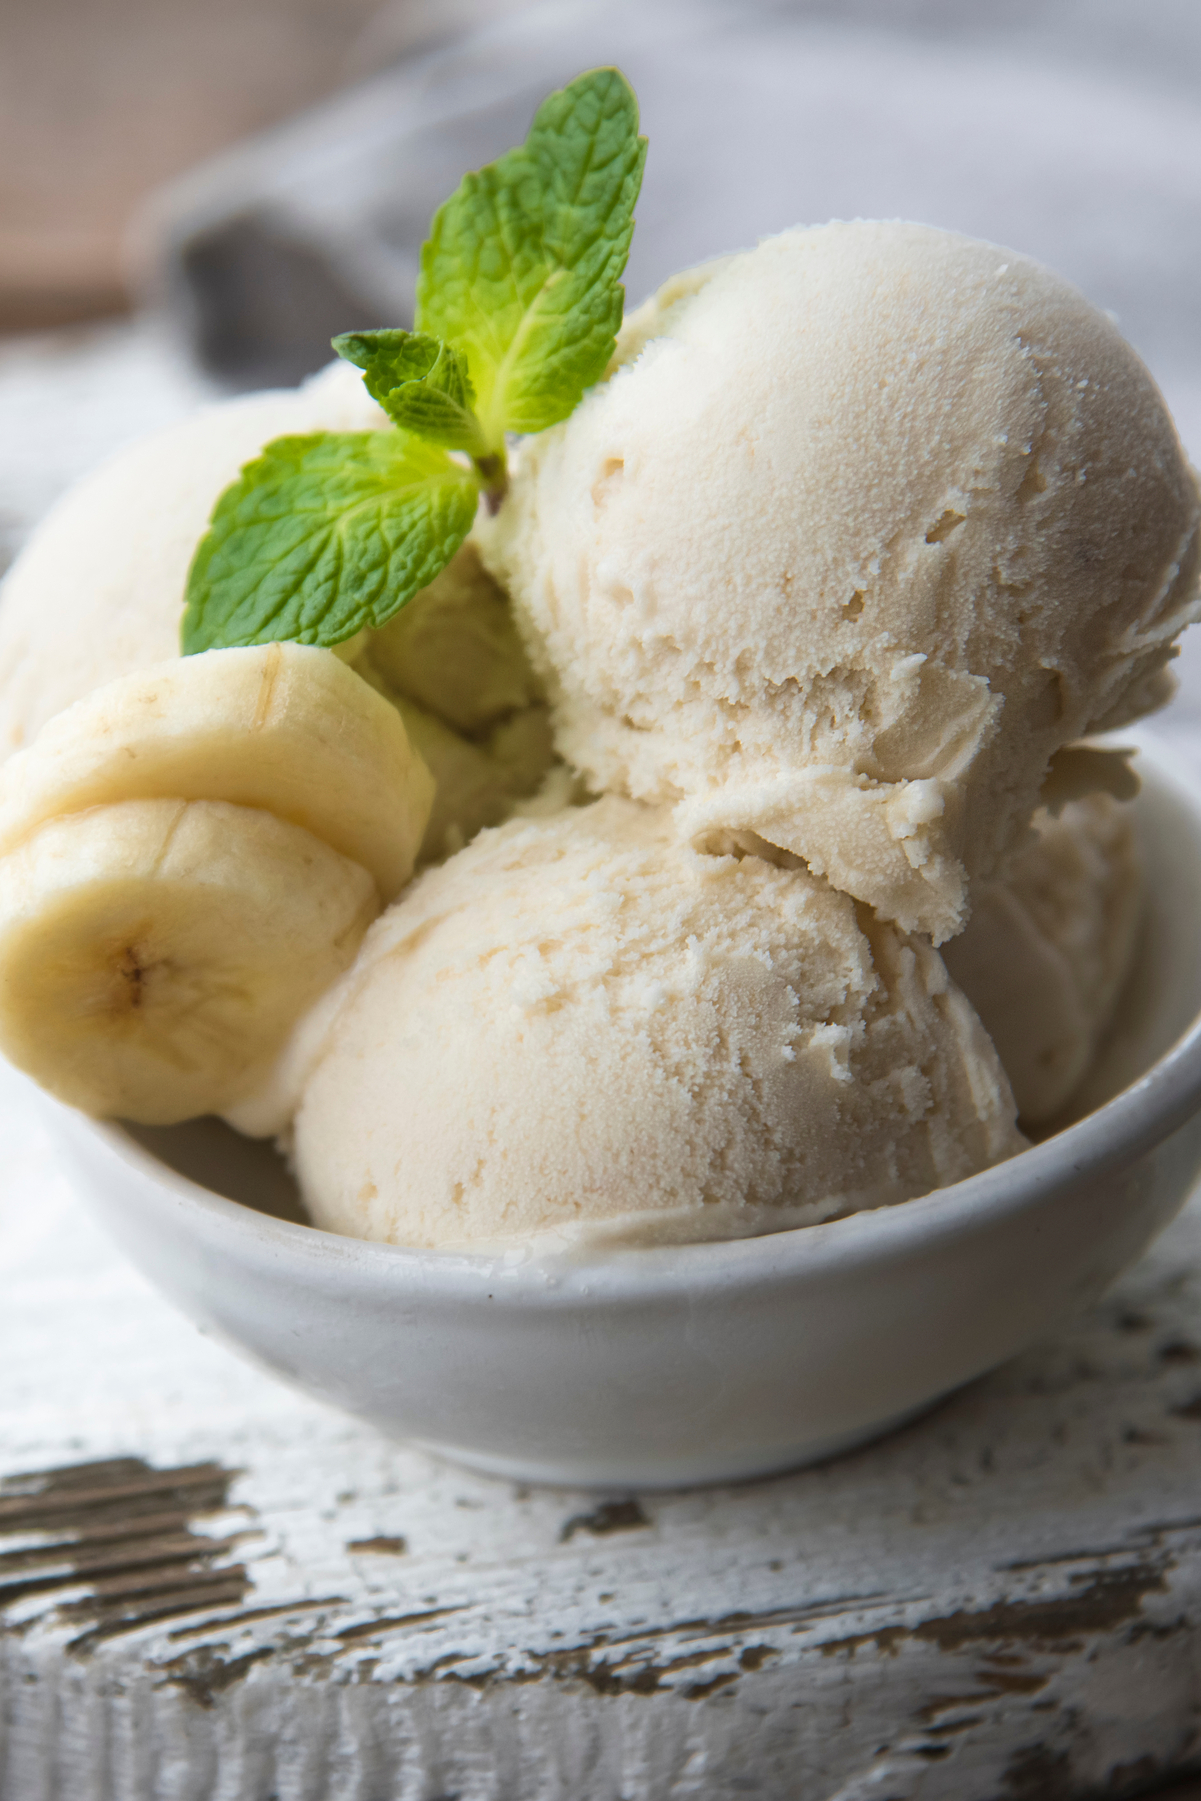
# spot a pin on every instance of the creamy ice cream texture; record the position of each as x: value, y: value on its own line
x: 866, y: 528
x: 452, y: 664
x: 99, y: 592
x: 863, y: 528
x: 1049, y: 947
x: 582, y: 1025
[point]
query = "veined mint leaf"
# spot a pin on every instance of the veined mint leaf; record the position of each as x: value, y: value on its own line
x: 322, y: 535
x: 388, y: 357
x: 523, y: 263
x: 421, y: 383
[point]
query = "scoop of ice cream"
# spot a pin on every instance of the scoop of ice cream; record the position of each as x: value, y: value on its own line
x: 476, y: 784
x: 455, y: 652
x: 864, y: 526
x: 99, y: 593
x: 581, y: 1025
x: 453, y: 664
x: 1049, y: 946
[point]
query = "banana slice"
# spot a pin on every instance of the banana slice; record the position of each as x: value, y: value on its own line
x: 154, y: 954
x: 282, y: 727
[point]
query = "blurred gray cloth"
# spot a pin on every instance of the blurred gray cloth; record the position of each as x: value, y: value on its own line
x: 1068, y: 129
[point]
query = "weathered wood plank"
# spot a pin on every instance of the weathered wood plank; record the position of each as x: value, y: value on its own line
x: 1004, y: 1600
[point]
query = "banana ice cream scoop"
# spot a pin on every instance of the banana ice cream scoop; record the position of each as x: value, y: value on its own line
x: 452, y: 664
x: 863, y: 527
x: 1048, y: 947
x: 454, y: 651
x: 189, y: 857
x: 580, y: 1025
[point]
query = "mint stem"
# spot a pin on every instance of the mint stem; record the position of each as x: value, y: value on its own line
x: 493, y: 473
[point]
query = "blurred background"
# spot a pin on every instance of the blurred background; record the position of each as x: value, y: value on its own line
x: 193, y: 198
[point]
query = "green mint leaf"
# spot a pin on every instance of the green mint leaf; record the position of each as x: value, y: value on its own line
x: 421, y: 408
x: 522, y: 268
x: 421, y: 383
x: 322, y: 535
x: 388, y: 358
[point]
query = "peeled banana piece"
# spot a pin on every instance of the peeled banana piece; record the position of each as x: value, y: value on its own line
x: 285, y: 727
x: 189, y: 857
x: 154, y: 954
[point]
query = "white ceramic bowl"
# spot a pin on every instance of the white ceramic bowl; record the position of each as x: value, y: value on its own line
x: 710, y: 1361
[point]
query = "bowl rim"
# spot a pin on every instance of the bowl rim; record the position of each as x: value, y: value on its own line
x: 1115, y: 1136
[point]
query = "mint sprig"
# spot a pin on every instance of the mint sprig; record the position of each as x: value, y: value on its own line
x: 519, y: 302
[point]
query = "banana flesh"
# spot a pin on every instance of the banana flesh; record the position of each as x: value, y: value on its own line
x: 155, y: 954
x: 285, y: 727
x: 189, y: 857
